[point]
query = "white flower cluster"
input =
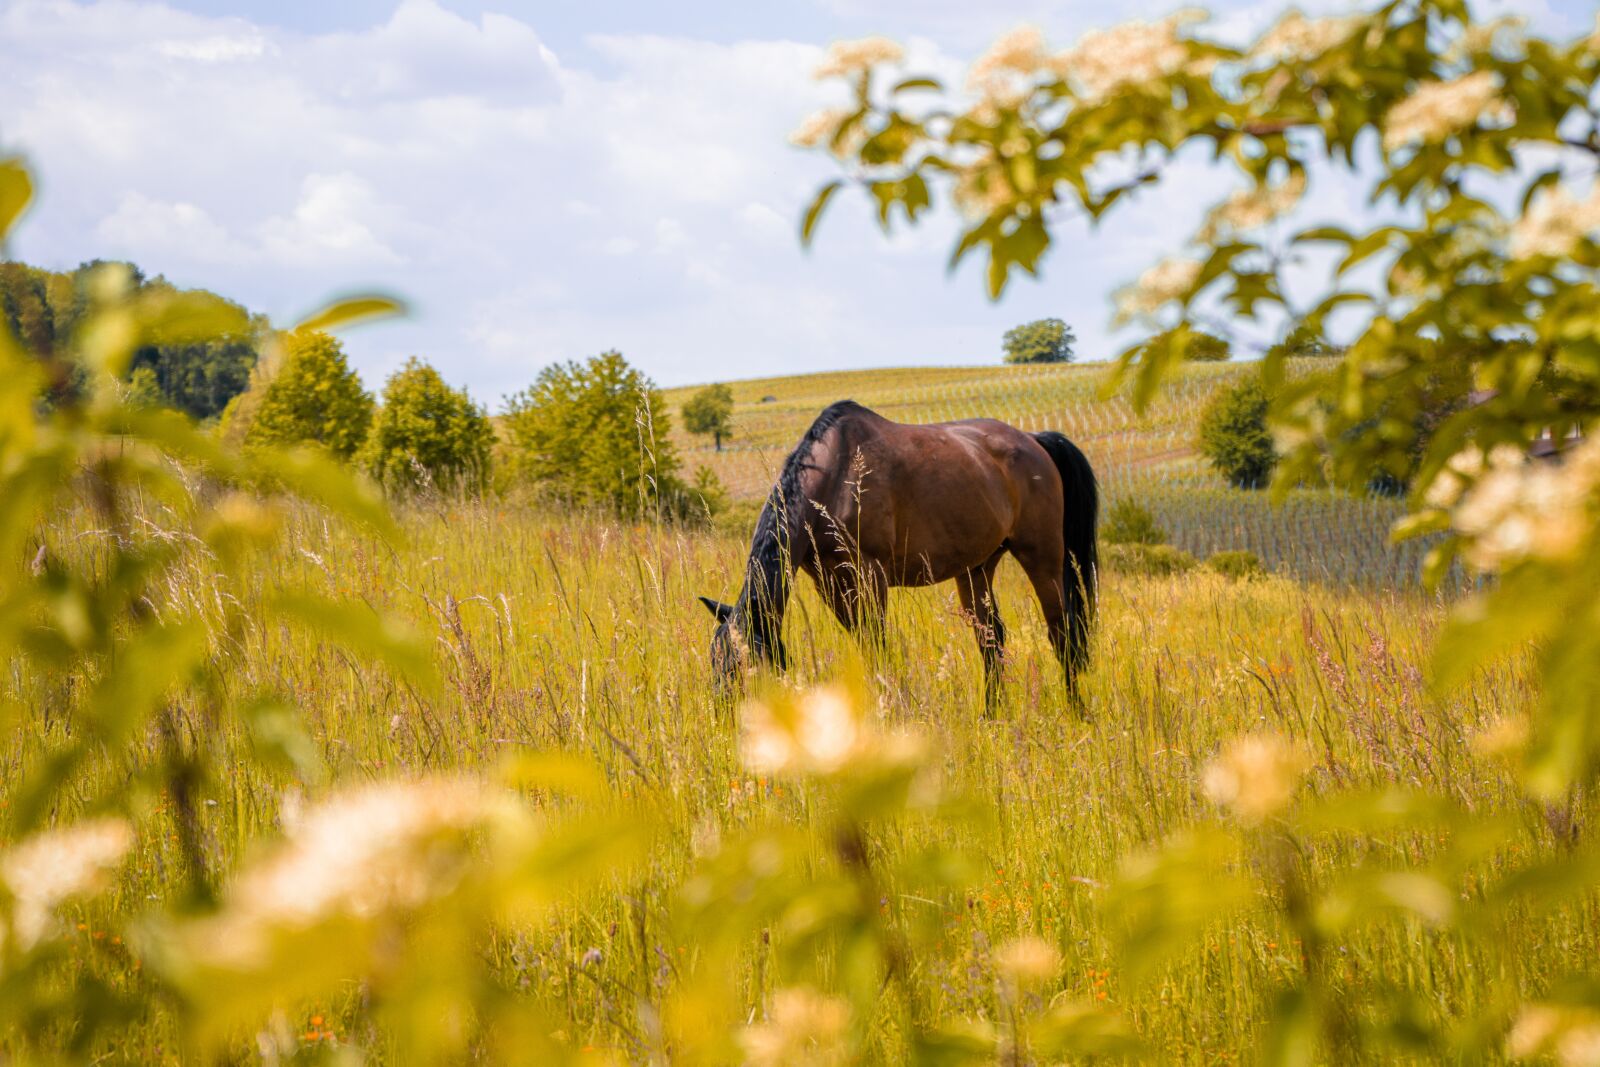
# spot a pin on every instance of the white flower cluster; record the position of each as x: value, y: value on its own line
x: 1295, y: 37
x: 848, y: 58
x: 1509, y: 509
x: 371, y: 851
x: 43, y: 871
x: 1250, y: 208
x: 805, y: 1028
x: 1027, y: 960
x: 1005, y: 73
x: 1555, y: 222
x: 819, y: 127
x: 1169, y: 280
x: 1255, y: 777
x: 1503, y: 35
x: 1439, y: 109
x: 822, y: 731
x: 982, y: 188
x: 1570, y: 1035
x: 1129, y: 55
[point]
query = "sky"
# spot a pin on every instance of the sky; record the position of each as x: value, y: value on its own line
x: 544, y: 180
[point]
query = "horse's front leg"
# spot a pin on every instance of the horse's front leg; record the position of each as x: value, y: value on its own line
x: 976, y: 588
x: 858, y: 598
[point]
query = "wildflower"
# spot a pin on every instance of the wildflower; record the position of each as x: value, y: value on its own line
x: 1027, y: 960
x: 1516, y: 511
x: 1248, y: 209
x: 848, y: 58
x: 1295, y: 37
x: 819, y: 127
x: 43, y: 871
x: 1128, y: 55
x: 1570, y: 1034
x: 1009, y: 65
x: 372, y: 851
x: 1554, y: 223
x: 1169, y: 280
x: 803, y: 1028
x: 1254, y: 777
x: 1438, y: 109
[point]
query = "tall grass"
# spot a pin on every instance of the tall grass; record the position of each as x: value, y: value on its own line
x: 575, y: 633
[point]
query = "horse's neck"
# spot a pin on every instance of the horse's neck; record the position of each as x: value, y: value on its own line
x: 768, y: 575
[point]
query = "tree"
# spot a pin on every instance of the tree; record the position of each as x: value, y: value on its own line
x: 1304, y: 340
x: 595, y: 432
x: 427, y: 434
x: 311, y: 396
x: 1195, y: 346
x: 1234, y: 435
x: 1040, y: 341
x: 710, y: 411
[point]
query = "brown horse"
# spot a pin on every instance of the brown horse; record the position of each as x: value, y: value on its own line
x: 863, y: 504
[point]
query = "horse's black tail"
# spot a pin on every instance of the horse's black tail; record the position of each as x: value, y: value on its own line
x: 1080, y: 508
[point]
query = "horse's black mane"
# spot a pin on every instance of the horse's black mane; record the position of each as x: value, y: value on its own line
x: 781, y: 525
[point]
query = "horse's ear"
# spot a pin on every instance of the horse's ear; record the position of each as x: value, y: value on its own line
x: 717, y: 608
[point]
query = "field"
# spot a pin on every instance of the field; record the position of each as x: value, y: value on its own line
x: 579, y: 635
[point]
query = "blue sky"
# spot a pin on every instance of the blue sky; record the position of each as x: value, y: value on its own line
x: 544, y: 180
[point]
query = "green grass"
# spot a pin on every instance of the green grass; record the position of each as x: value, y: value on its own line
x: 579, y: 634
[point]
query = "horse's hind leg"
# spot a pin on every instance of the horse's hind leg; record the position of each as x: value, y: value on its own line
x: 976, y: 588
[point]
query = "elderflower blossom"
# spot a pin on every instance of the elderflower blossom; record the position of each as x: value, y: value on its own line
x: 819, y: 127
x: 1247, y: 209
x: 1554, y: 223
x: 45, y: 870
x: 805, y: 1028
x: 982, y: 189
x: 1438, y: 109
x: 1517, y: 510
x: 1127, y: 55
x: 1169, y: 280
x: 1504, y: 34
x: 1503, y: 738
x: 1254, y: 777
x: 1006, y: 69
x: 1027, y: 960
x: 1569, y: 1034
x: 369, y: 852
x: 823, y: 731
x: 848, y: 58
x: 1459, y: 472
x: 1295, y: 37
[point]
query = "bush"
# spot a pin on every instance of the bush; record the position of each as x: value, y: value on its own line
x: 1234, y: 437
x: 1158, y: 561
x: 1236, y: 564
x: 1042, y: 341
x: 428, y: 434
x: 1131, y: 523
x: 305, y: 393
x: 597, y: 432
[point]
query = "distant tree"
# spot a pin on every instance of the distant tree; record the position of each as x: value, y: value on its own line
x: 1195, y: 346
x: 1041, y: 341
x: 427, y: 433
x: 710, y: 411
x: 1130, y: 523
x: 1234, y: 437
x: 596, y: 432
x: 311, y: 396
x: 1305, y: 340
x: 143, y: 389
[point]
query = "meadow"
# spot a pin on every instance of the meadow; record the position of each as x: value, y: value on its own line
x: 579, y: 635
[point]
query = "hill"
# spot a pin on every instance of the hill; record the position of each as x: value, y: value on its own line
x: 1315, y: 535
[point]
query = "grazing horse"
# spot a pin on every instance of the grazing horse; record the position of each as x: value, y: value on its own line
x: 863, y: 504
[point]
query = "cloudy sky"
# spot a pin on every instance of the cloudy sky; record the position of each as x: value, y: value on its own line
x: 542, y: 179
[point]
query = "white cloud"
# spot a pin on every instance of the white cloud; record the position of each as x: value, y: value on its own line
x: 140, y: 224
x: 332, y: 225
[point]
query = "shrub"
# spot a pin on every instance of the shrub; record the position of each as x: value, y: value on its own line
x: 305, y: 394
x: 1158, y: 561
x: 1234, y: 437
x: 710, y: 411
x: 428, y: 434
x: 1131, y: 523
x: 1236, y: 564
x: 596, y: 432
x: 1041, y: 341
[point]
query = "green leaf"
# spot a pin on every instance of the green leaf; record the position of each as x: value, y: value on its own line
x: 352, y: 310
x: 917, y: 83
x: 316, y: 477
x: 814, y: 212
x: 16, y: 193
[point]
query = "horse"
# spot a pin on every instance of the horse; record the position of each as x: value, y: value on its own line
x: 863, y: 504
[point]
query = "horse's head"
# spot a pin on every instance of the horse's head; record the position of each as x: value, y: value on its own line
x: 735, y: 644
